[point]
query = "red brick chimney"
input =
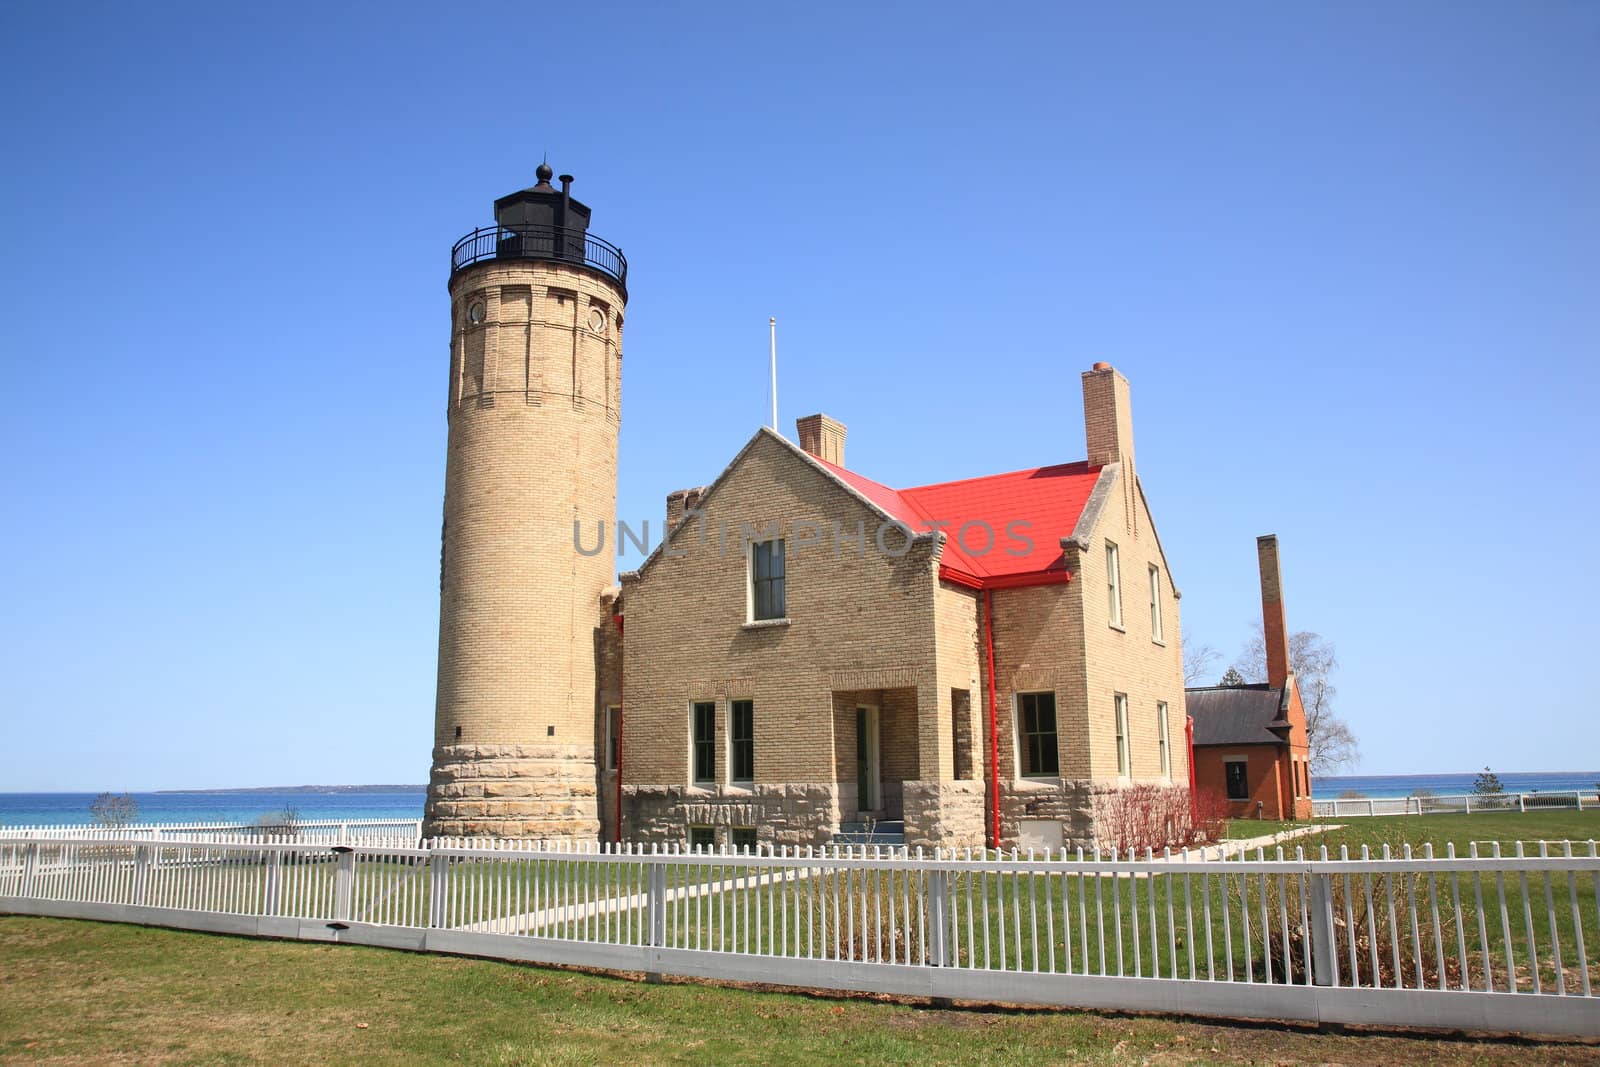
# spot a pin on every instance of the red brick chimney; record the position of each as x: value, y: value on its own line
x: 822, y: 437
x: 1274, y: 622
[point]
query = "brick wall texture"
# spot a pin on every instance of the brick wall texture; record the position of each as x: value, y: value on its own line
x: 534, y: 402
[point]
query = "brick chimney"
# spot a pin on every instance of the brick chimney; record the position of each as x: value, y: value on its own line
x: 1108, y: 419
x: 1274, y: 622
x: 680, y: 502
x: 822, y: 437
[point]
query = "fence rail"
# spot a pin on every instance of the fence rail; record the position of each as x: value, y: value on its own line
x: 1463, y: 803
x: 1489, y: 942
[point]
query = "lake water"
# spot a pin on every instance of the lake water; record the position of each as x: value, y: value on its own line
x: 72, y: 809
x: 1404, y: 785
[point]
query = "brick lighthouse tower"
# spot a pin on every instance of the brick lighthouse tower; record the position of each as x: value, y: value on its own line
x: 535, y: 403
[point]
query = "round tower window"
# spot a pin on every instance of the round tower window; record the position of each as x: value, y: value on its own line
x: 475, y: 312
x: 597, y: 320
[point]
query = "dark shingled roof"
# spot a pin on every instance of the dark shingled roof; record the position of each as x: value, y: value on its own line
x: 1236, y: 714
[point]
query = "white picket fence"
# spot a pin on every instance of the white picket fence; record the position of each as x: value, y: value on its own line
x: 321, y: 831
x: 1482, y: 942
x: 1464, y: 803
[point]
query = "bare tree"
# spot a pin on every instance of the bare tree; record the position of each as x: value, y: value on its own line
x: 114, y: 811
x: 1198, y: 659
x: 1331, y: 741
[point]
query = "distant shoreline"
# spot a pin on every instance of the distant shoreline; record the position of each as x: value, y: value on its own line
x: 312, y: 789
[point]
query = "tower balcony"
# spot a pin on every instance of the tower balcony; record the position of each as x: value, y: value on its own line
x: 561, y: 244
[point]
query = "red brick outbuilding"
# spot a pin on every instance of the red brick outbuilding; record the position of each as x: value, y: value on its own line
x: 1250, y: 744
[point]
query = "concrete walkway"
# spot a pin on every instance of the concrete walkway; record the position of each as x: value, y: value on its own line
x: 1231, y: 848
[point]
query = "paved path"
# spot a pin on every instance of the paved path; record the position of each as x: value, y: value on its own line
x: 1229, y: 849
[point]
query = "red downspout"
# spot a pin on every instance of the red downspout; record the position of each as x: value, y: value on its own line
x: 994, y: 736
x: 617, y: 835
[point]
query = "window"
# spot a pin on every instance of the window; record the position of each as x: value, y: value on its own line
x: 767, y: 600
x: 1037, y: 717
x: 961, y: 733
x: 702, y: 838
x: 743, y: 741
x: 1114, y: 584
x: 1155, y: 603
x: 613, y: 737
x: 1238, y: 781
x: 1124, y: 758
x: 703, y: 723
x: 742, y: 838
x: 1163, y: 740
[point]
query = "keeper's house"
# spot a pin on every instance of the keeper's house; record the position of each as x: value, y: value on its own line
x: 812, y: 656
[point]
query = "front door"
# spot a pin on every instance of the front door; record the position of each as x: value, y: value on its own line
x: 869, y: 782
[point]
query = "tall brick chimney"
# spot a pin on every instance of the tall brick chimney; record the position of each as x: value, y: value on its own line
x: 1108, y: 419
x: 822, y: 437
x: 1274, y: 621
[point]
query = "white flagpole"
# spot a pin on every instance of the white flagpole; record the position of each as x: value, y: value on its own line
x: 772, y: 325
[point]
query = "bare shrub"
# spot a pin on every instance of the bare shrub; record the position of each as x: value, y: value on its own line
x: 114, y: 811
x: 1154, y: 817
x: 285, y: 823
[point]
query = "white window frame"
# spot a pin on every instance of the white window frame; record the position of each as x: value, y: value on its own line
x: 1114, y: 583
x: 1124, y: 742
x: 1164, y: 738
x: 613, y: 751
x: 1156, y: 633
x: 750, y: 582
x: 1021, y: 738
x: 694, y: 761
x: 733, y: 777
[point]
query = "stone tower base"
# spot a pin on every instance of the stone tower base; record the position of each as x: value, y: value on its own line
x: 543, y: 792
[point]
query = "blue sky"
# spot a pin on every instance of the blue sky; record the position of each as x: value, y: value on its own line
x: 1348, y: 255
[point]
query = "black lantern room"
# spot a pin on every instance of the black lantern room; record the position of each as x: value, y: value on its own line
x: 541, y: 222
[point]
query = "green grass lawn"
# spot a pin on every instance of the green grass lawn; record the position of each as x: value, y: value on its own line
x: 1506, y: 827
x: 79, y: 992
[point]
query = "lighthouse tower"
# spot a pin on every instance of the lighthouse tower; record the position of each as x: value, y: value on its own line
x: 535, y: 402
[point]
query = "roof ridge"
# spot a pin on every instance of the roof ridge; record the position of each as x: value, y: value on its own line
x: 1084, y: 463
x: 1256, y: 686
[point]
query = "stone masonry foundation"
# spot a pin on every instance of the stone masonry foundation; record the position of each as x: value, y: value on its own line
x: 796, y: 813
x: 517, y: 791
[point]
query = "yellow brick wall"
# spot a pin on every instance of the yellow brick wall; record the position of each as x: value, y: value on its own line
x: 534, y: 404
x: 856, y: 622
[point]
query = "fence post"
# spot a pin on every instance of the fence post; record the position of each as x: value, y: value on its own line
x: 1370, y: 809
x: 1468, y: 799
x: 30, y: 868
x: 1579, y: 795
x: 141, y: 872
x: 938, y: 911
x: 1323, y: 946
x: 438, y: 888
x: 658, y: 904
x: 274, y: 882
x: 1522, y: 802
x: 344, y: 882
x: 656, y: 908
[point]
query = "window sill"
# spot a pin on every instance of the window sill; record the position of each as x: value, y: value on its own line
x: 1036, y: 784
x: 764, y: 624
x: 745, y: 788
x: 1117, y: 626
x: 1158, y: 641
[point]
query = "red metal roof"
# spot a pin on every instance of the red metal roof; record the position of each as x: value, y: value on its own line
x: 1026, y: 513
